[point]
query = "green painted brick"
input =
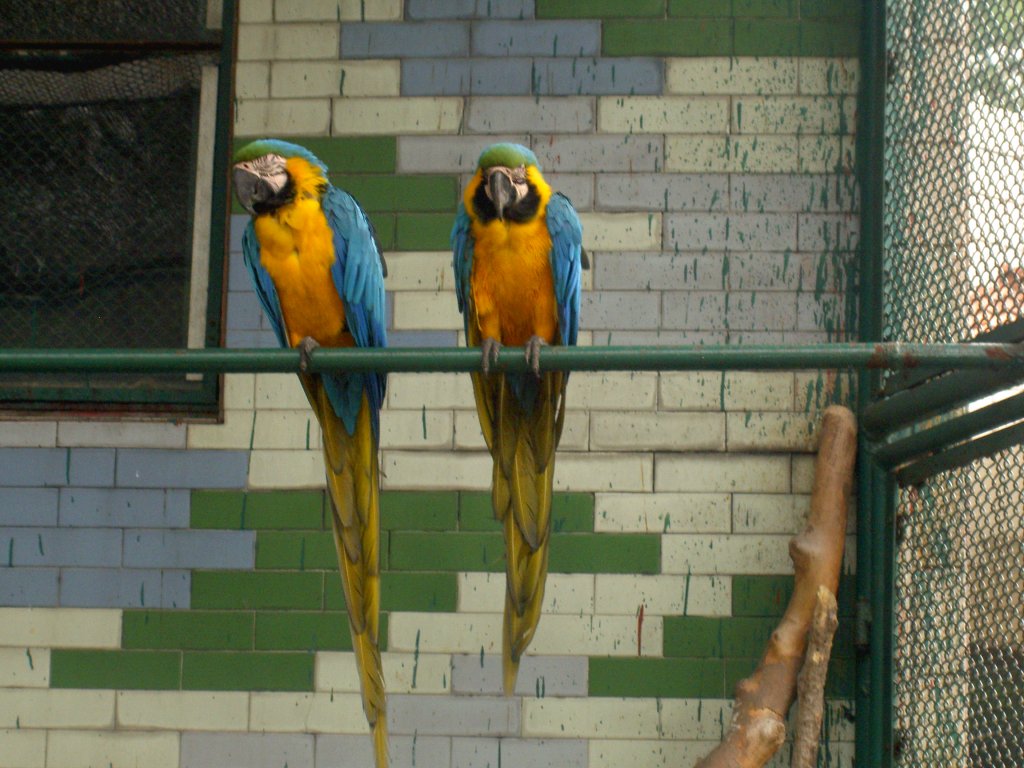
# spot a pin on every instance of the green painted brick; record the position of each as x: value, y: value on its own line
x: 476, y: 512
x: 289, y: 550
x: 599, y: 9
x: 671, y: 37
x: 838, y: 684
x: 762, y: 8
x: 303, y: 631
x: 405, y: 591
x: 849, y: 9
x: 828, y: 38
x: 605, y: 553
x: 346, y: 154
x: 212, y: 671
x: 419, y: 510
x: 402, y: 193
x: 147, y: 670
x: 423, y: 231
x: 570, y: 512
x: 384, y: 226
x: 663, y: 678
x: 769, y: 595
x: 192, y: 630
x: 697, y: 637
x: 698, y: 8
x: 447, y: 551
x: 250, y: 590
x: 302, y: 510
x: 767, y: 37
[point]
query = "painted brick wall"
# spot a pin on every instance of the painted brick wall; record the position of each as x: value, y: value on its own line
x: 168, y: 591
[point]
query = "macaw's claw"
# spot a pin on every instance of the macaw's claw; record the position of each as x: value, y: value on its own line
x: 533, y: 353
x: 306, y: 347
x: 489, y: 348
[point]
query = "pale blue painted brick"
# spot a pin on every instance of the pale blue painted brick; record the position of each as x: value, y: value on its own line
x: 812, y: 193
x: 446, y: 154
x: 735, y: 231
x: 538, y: 675
x: 244, y: 310
x: 468, y: 9
x: 578, y: 187
x: 155, y: 468
x: 91, y: 467
x: 422, y: 338
x: 262, y: 339
x: 645, y: 270
x: 462, y: 77
x: 238, y: 275
x: 619, y: 310
x: 593, y: 76
x: 453, y: 715
x: 176, y: 589
x: 607, y: 152
x: 662, y: 192
x: 555, y: 115
x: 28, y: 506
x: 33, y: 466
x: 536, y: 38
x: 22, y: 587
x: 61, y: 546
x: 178, y: 505
x: 540, y: 753
x: 246, y: 750
x: 189, y: 549
x: 110, y: 588
x: 117, y: 508
x: 661, y: 338
x: 239, y: 221
x: 388, y: 40
x: 405, y: 751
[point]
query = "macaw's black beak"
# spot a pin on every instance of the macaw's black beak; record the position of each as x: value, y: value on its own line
x: 251, y: 190
x: 502, y: 192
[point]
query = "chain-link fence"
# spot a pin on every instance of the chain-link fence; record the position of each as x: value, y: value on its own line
x: 954, y: 271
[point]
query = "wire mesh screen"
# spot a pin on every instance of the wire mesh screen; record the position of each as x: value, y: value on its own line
x: 98, y: 218
x: 953, y: 243
x: 102, y: 20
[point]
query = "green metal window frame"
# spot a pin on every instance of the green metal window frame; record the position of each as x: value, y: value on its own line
x: 203, y: 397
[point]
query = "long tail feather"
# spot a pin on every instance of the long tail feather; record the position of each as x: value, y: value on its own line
x: 353, y: 486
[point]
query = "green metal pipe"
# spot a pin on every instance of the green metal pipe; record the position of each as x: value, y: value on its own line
x: 960, y: 455
x: 943, y: 435
x: 894, y: 356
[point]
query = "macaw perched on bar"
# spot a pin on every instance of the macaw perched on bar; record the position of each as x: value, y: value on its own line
x: 517, y: 251
x: 319, y: 274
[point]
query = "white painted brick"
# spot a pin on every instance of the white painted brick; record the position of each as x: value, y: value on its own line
x: 621, y: 231
x: 335, y: 78
x: 24, y: 668
x: 808, y: 115
x: 417, y: 430
x: 604, y: 472
x: 286, y: 469
x: 726, y: 75
x: 686, y: 595
x: 648, y: 753
x: 183, y: 710
x: 235, y: 432
x: 28, y: 434
x: 571, y: 593
x: 803, y: 474
x: 732, y: 154
x: 45, y: 708
x: 423, y: 310
x: 829, y: 76
x: 79, y: 749
x: 769, y: 512
x: 411, y: 114
x: 297, y: 117
x: 420, y: 271
x: 661, y: 114
x: 761, y: 390
x: 288, y: 41
x: 287, y: 430
x: 338, y: 10
x: 423, y: 470
x: 23, y: 749
x: 252, y: 80
x: 692, y: 390
x: 732, y: 472
x: 239, y: 389
x: 253, y: 11
x: 658, y: 431
x: 279, y: 390
x: 575, y: 432
x: 759, y: 431
x: 662, y: 512
x: 612, y: 390
x: 617, y: 718
x: 816, y: 390
x: 403, y: 672
x: 826, y: 154
x: 60, y: 628
x: 413, y: 391
x: 306, y: 713
x: 445, y: 632
x: 723, y: 554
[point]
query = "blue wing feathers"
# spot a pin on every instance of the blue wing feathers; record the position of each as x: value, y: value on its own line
x: 462, y: 261
x: 566, y: 249
x: 265, y: 291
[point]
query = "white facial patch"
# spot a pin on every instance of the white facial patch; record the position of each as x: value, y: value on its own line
x: 515, y: 175
x: 270, y: 168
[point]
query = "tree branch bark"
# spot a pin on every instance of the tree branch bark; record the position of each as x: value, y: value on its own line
x: 810, y: 685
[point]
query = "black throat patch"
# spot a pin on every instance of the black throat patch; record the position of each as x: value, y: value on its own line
x: 522, y: 211
x: 283, y: 197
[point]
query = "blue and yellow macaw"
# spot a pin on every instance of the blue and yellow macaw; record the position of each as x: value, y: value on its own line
x: 517, y: 257
x: 319, y: 274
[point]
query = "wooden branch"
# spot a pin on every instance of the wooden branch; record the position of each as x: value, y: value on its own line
x: 811, y: 683
x: 758, y: 726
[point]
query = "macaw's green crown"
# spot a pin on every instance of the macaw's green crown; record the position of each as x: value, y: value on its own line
x: 285, y: 149
x: 509, y: 155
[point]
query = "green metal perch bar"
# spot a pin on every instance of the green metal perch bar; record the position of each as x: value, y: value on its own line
x: 885, y: 356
